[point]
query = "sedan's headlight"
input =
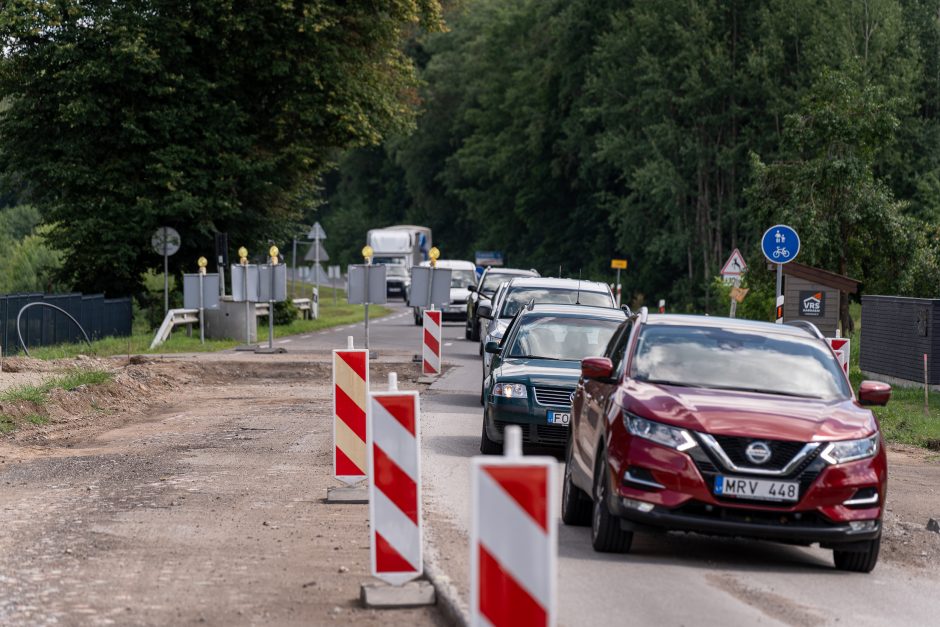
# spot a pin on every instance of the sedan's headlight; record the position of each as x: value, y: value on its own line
x: 673, y: 437
x: 510, y: 390
x: 851, y: 450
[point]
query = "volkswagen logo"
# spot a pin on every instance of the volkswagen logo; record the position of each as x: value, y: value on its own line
x: 758, y: 452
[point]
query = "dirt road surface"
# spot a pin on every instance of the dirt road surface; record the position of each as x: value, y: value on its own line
x: 202, y: 505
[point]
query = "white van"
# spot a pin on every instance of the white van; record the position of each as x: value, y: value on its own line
x: 463, y: 274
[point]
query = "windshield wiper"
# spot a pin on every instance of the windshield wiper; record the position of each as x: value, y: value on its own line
x: 764, y: 391
x: 681, y: 384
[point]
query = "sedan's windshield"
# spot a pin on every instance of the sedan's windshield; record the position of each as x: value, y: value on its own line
x: 462, y: 278
x: 561, y: 337
x: 738, y: 360
x: 518, y: 297
x: 396, y: 271
x: 492, y: 280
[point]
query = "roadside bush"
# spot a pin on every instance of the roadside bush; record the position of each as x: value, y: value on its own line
x: 285, y: 312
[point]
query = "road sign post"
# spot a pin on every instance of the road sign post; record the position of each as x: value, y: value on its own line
x: 366, y: 287
x: 618, y: 265
x: 780, y: 244
x: 732, y: 271
x: 166, y: 242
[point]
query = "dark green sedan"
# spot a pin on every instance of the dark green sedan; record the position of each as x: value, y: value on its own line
x: 535, y: 369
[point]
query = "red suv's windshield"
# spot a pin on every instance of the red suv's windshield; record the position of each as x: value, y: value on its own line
x: 737, y: 359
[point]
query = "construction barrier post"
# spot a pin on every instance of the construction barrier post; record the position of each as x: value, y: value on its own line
x: 394, y: 445
x: 431, y: 345
x: 513, y: 538
x: 350, y: 400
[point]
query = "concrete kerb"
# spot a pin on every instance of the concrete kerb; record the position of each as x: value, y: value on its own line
x: 454, y: 609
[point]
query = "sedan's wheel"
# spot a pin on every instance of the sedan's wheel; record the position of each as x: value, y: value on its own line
x: 575, y: 504
x: 474, y: 330
x: 483, y: 393
x: 418, y: 320
x: 858, y: 561
x: 467, y: 333
x: 606, y: 534
x: 488, y: 446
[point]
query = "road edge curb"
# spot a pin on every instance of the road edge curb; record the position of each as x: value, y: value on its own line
x: 448, y: 598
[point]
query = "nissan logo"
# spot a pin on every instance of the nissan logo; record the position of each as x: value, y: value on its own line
x: 758, y: 452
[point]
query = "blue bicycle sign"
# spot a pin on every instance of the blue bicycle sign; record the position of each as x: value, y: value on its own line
x: 780, y: 244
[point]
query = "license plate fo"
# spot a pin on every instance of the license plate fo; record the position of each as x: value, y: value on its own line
x: 559, y: 418
x: 757, y: 489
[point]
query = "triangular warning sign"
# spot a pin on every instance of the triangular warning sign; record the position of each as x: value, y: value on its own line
x: 735, y: 265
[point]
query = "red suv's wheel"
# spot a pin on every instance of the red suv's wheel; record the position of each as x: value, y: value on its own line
x: 575, y: 504
x: 858, y: 561
x: 606, y: 534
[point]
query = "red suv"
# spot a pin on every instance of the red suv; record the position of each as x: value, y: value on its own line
x: 726, y: 427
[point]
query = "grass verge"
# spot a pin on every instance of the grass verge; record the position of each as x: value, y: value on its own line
x: 37, y: 394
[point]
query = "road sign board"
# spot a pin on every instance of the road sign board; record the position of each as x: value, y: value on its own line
x: 618, y: 264
x: 272, y: 283
x: 350, y: 398
x: 780, y: 244
x: 210, y: 291
x: 315, y: 248
x: 165, y: 241
x: 735, y: 265
x: 316, y: 232
x: 429, y: 290
x: 488, y: 257
x: 366, y: 285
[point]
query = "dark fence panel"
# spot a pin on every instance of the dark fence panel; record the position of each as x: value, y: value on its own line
x: 43, y: 326
x: 896, y: 333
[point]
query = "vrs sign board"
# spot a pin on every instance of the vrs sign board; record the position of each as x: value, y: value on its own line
x: 812, y: 304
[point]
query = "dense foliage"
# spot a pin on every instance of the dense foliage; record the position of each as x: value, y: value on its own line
x: 119, y: 116
x: 568, y: 132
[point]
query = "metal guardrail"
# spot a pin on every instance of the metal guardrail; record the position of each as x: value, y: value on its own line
x: 174, y: 318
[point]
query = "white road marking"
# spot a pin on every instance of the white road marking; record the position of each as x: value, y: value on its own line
x: 448, y: 343
x: 284, y: 341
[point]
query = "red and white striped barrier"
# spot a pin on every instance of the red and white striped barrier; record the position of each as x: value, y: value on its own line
x: 842, y: 347
x: 779, y: 310
x: 513, y: 538
x: 350, y: 400
x: 394, y: 448
x: 431, y: 345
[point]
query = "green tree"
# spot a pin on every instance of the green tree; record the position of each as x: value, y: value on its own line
x: 207, y: 116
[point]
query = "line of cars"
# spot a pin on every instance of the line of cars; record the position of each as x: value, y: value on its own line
x: 680, y: 422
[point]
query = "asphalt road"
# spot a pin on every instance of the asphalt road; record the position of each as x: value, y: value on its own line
x: 667, y: 579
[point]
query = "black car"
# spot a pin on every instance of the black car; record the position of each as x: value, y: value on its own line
x: 536, y: 368
x: 483, y: 292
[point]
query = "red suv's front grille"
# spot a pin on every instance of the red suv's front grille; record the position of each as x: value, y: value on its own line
x: 781, y: 452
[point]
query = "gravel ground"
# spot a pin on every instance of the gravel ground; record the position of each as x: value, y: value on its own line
x: 203, y: 505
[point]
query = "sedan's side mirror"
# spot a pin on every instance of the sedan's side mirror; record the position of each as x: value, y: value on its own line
x: 492, y: 348
x: 597, y: 368
x: 874, y: 393
x: 471, y: 288
x: 485, y: 311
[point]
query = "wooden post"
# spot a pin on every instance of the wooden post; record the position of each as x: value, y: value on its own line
x: 926, y: 388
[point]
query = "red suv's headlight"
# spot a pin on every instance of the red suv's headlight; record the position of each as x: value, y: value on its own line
x: 851, y: 450
x: 673, y: 437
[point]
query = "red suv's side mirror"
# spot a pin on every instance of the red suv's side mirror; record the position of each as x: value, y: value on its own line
x: 874, y: 393
x: 597, y: 368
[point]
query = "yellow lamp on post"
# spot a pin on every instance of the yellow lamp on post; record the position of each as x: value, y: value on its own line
x: 273, y: 252
x: 243, y: 256
x: 367, y: 253
x: 202, y: 262
x: 434, y: 254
